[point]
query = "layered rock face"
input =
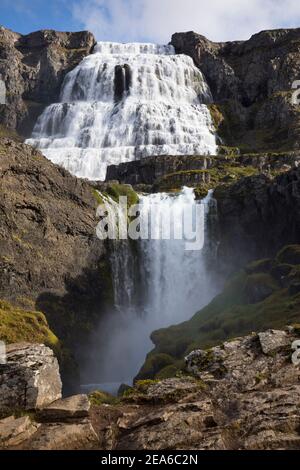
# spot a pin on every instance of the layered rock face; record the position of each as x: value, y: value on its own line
x: 202, y: 172
x: 51, y: 259
x: 251, y: 84
x: 33, y: 68
x: 258, y: 215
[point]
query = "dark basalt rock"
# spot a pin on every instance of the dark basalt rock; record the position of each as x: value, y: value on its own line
x: 258, y: 216
x: 251, y: 82
x: 50, y: 257
x: 33, y: 68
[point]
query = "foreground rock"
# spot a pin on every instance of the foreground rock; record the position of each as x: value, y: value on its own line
x: 240, y: 398
x: 14, y: 431
x: 71, y: 408
x: 33, y: 68
x: 30, y: 382
x: 30, y: 379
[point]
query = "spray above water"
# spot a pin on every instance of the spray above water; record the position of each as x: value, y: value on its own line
x: 126, y: 102
x: 170, y: 285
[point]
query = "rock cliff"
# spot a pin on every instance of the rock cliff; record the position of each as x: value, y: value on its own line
x: 51, y: 259
x: 251, y: 82
x: 258, y: 216
x: 33, y: 68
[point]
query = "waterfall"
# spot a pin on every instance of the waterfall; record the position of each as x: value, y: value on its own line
x: 173, y: 284
x: 126, y: 102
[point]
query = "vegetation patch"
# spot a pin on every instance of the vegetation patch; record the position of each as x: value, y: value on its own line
x: 99, y: 398
x: 17, y: 325
x: 249, y: 302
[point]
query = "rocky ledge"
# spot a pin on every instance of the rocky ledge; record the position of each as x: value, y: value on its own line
x: 36, y: 416
x: 243, y: 394
x: 251, y: 82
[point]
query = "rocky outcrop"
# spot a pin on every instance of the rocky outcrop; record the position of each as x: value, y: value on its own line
x: 240, y: 395
x: 241, y: 398
x: 258, y: 216
x: 30, y: 378
x: 50, y: 257
x: 251, y: 83
x: 199, y: 171
x: 33, y: 68
x: 30, y: 382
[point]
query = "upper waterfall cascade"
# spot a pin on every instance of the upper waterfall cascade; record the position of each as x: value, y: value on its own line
x: 126, y: 102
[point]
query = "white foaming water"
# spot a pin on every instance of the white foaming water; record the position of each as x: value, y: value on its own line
x: 173, y: 285
x: 126, y: 102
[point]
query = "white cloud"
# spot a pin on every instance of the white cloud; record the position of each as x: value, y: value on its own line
x: 157, y: 20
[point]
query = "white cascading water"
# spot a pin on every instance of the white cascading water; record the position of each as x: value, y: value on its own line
x: 174, y: 284
x: 126, y: 102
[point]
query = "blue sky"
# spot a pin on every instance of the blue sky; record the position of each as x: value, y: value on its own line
x: 151, y: 20
x: 25, y: 16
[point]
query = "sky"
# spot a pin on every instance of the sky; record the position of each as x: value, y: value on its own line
x: 151, y: 20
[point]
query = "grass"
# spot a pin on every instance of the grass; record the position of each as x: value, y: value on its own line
x: 18, y: 325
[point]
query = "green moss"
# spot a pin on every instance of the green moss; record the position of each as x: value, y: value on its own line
x: 290, y: 255
x: 260, y: 266
x: 98, y: 197
x: 167, y: 372
x: 115, y: 191
x: 155, y: 364
x: 17, y: 325
x: 204, y: 180
x: 99, y: 398
x: 142, y: 386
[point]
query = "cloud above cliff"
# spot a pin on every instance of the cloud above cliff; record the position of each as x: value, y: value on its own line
x: 156, y: 20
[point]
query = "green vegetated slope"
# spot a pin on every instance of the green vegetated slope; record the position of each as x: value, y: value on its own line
x: 18, y: 325
x: 266, y: 294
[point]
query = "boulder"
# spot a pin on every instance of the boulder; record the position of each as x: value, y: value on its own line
x: 30, y: 378
x: 272, y: 341
x: 72, y: 408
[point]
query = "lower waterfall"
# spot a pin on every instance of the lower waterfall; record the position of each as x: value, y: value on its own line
x: 170, y: 284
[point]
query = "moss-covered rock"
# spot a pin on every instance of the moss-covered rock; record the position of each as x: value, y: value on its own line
x: 115, y: 191
x: 17, y: 325
x: 99, y: 398
x: 290, y: 255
